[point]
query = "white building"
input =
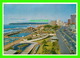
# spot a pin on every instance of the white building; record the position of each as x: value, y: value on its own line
x: 59, y: 22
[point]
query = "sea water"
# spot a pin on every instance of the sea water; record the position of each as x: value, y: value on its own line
x: 14, y: 28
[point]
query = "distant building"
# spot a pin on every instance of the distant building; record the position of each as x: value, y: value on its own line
x: 57, y: 22
x: 69, y: 21
x: 54, y: 38
x: 73, y: 19
x: 65, y: 24
x: 60, y: 23
x: 52, y: 23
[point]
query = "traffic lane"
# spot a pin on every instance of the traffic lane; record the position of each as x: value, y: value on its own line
x: 71, y: 35
x: 63, y: 48
x: 67, y: 34
x: 71, y: 44
x: 70, y: 31
x: 68, y: 39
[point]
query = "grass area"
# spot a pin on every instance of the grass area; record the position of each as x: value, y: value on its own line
x: 40, y: 50
x: 41, y: 45
x: 22, y: 45
x: 49, y: 44
x: 46, y: 29
x: 40, y: 41
x: 18, y: 51
x: 47, y: 47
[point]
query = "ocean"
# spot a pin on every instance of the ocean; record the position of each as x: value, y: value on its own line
x: 11, y: 28
x: 14, y: 28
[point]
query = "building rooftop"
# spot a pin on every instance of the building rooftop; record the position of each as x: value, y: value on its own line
x: 54, y: 38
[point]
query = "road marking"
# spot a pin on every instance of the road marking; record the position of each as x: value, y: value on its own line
x: 65, y: 43
x: 69, y: 37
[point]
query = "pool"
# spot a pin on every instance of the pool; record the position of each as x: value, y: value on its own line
x: 9, y: 40
x: 20, y: 35
x: 21, y: 48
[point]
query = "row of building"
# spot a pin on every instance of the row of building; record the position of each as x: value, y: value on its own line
x: 72, y: 23
x: 72, y: 20
x: 57, y: 22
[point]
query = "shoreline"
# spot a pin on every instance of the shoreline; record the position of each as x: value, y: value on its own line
x: 19, y: 40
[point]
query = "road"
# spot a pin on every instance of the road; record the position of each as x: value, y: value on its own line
x: 28, y: 49
x: 67, y: 39
x: 37, y: 39
x: 63, y: 48
x: 69, y: 33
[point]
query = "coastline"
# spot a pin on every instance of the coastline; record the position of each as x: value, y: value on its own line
x: 20, y: 38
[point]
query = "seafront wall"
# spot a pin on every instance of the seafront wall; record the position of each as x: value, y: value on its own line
x: 27, y: 30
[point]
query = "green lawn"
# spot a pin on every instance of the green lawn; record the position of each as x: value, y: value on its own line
x: 47, y: 47
x: 22, y: 45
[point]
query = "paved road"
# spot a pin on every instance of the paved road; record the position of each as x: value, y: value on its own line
x: 69, y: 33
x: 37, y: 39
x: 63, y: 48
x: 69, y: 39
x: 29, y: 48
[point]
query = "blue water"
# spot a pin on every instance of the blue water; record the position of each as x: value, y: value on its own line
x: 9, y: 40
x: 9, y: 28
x: 22, y: 48
x: 20, y: 35
x: 18, y: 26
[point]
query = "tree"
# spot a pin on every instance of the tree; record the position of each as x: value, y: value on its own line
x: 53, y: 51
x: 55, y: 27
x: 29, y: 38
x: 45, y: 51
x: 19, y: 51
x: 44, y: 42
x: 47, y: 26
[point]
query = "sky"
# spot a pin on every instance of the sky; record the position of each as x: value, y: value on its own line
x: 15, y: 13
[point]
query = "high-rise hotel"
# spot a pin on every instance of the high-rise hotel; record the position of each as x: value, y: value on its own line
x: 73, y: 19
